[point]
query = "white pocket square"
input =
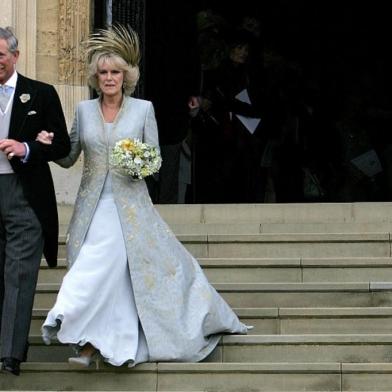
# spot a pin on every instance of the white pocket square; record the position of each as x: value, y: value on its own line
x: 31, y: 112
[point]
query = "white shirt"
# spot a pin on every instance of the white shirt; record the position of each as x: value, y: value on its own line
x: 11, y: 82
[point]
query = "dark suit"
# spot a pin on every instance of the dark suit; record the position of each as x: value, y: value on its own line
x: 36, y: 107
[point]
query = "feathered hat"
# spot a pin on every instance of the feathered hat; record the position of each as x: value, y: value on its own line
x: 119, y: 40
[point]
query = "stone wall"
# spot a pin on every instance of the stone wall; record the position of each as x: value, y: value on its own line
x: 49, y: 33
x: 62, y: 25
x: 6, y: 18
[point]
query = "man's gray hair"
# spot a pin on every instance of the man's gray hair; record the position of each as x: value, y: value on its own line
x: 8, y: 35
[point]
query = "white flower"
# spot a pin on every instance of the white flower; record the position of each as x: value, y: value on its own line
x: 133, y: 158
x: 24, y: 98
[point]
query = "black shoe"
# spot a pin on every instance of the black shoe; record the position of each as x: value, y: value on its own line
x: 11, y: 365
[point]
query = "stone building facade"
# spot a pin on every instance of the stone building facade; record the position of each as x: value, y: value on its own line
x: 49, y: 33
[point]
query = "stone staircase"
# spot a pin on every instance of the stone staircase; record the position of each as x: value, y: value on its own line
x: 314, y: 280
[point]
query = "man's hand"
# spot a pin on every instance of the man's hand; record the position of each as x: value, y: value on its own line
x: 194, y: 106
x: 12, y: 148
x: 193, y: 103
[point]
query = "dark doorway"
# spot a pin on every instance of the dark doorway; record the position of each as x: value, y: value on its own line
x: 323, y: 93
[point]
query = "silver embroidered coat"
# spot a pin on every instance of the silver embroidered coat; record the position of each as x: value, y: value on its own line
x: 181, y: 313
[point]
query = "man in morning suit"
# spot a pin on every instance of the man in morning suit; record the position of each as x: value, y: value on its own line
x: 28, y: 210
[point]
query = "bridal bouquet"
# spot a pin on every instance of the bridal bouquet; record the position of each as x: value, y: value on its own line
x: 135, y: 159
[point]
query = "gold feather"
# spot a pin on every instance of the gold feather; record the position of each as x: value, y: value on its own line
x: 118, y: 40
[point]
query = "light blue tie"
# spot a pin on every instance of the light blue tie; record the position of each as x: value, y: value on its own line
x: 5, y: 94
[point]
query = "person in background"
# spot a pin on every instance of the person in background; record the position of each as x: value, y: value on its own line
x: 173, y: 83
x: 229, y: 149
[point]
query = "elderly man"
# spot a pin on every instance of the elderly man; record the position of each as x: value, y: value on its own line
x: 28, y: 212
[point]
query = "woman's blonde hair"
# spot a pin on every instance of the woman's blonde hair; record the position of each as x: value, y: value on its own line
x: 119, y: 46
x: 131, y: 73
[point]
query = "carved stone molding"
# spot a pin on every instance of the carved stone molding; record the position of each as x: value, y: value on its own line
x: 74, y: 27
x: 22, y: 17
x: 6, y: 14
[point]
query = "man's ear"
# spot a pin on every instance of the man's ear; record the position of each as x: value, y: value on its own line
x: 16, y: 56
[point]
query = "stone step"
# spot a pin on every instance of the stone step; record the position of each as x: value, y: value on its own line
x: 360, y: 320
x: 297, y: 270
x: 178, y: 377
x: 286, y: 321
x: 259, y: 270
x: 250, y: 295
x: 297, y: 245
x: 306, y: 348
x: 283, y: 245
x: 259, y: 228
x: 267, y: 348
x: 217, y: 377
x: 345, y: 227
x: 266, y: 213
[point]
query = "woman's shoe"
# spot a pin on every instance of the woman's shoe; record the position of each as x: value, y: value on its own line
x: 86, y: 356
x: 46, y: 339
x: 82, y: 361
x: 85, y: 361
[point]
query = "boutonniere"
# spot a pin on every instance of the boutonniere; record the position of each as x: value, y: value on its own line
x: 24, y: 98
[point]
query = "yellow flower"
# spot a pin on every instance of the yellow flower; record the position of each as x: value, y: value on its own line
x: 127, y: 145
x: 144, y: 172
x: 134, y: 158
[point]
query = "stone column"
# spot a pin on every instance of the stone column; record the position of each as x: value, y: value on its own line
x: 21, y: 16
x: 62, y: 26
x: 49, y: 34
x: 7, y: 13
x: 25, y: 17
